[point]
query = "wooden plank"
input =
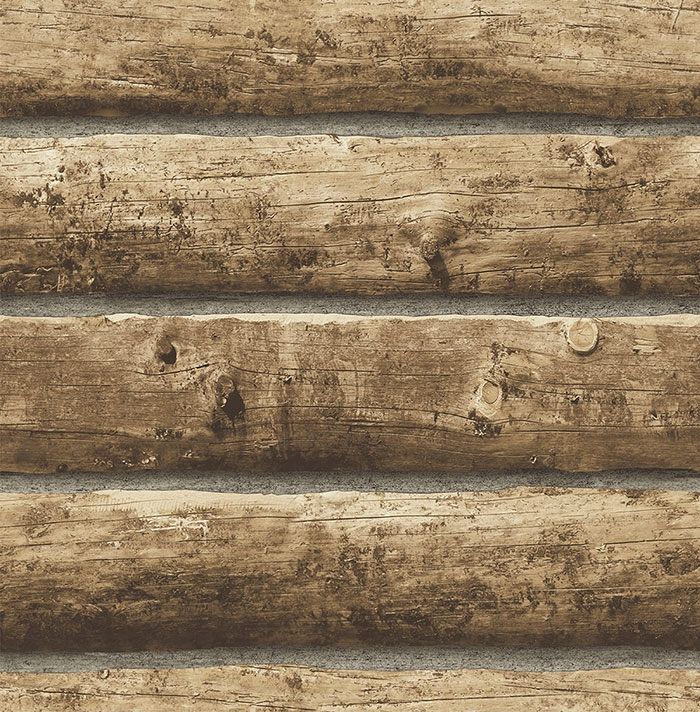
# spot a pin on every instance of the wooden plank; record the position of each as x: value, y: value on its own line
x: 165, y: 570
x: 284, y: 392
x: 292, y: 688
x: 410, y: 55
x: 476, y: 214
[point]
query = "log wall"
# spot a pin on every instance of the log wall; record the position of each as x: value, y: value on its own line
x: 290, y: 688
x: 531, y: 215
x: 148, y: 570
x: 267, y: 57
x: 284, y: 392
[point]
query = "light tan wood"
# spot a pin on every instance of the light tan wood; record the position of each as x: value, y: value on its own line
x: 278, y: 392
x: 287, y: 688
x: 260, y: 56
x: 475, y: 214
x: 582, y: 336
x: 139, y: 570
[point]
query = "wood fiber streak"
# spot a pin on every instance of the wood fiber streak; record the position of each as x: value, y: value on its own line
x: 136, y: 570
x: 286, y: 392
x: 488, y: 214
x: 290, y: 689
x: 600, y: 57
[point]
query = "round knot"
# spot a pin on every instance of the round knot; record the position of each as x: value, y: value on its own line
x: 490, y: 392
x: 582, y: 336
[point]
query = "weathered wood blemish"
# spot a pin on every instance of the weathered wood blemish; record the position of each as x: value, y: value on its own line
x: 185, y: 527
x: 630, y: 281
x: 483, y: 426
x: 430, y: 251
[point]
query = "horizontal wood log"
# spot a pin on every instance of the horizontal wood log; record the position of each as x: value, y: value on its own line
x: 261, y: 56
x: 285, y: 392
x: 287, y: 688
x: 164, y: 570
x: 477, y: 214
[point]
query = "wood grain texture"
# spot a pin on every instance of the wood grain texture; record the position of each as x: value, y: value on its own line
x: 260, y: 56
x: 284, y: 392
x: 137, y: 570
x: 479, y: 214
x: 287, y: 688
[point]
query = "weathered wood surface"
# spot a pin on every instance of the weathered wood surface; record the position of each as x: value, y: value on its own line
x: 288, y: 688
x: 282, y: 392
x: 486, y: 214
x: 599, y: 57
x: 144, y: 570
